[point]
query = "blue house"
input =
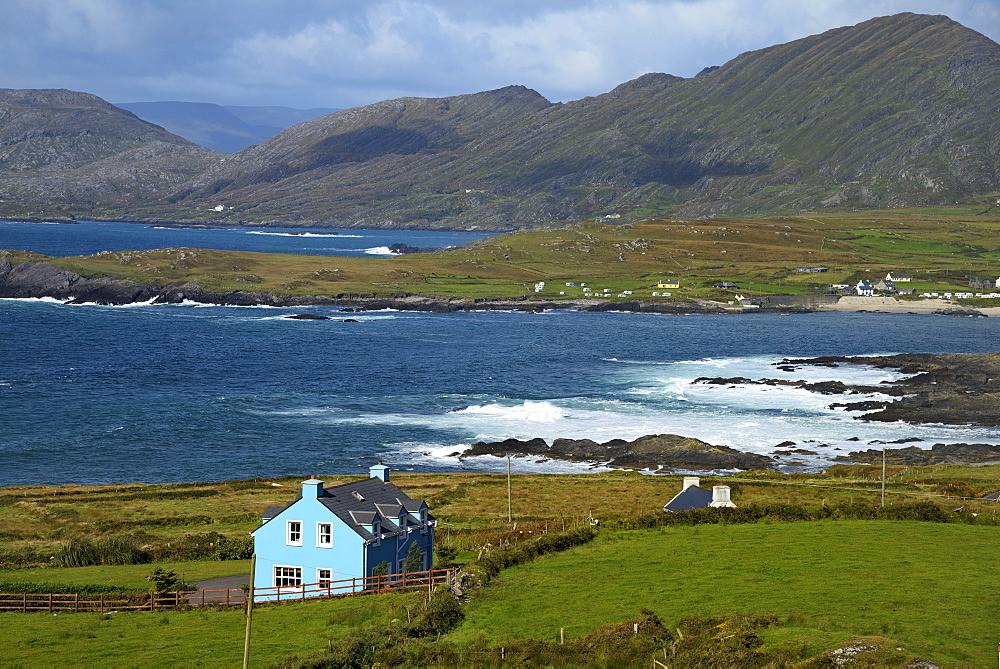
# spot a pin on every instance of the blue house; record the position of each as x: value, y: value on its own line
x: 340, y: 532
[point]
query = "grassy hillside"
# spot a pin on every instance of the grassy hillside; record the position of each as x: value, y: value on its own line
x: 920, y: 584
x: 914, y: 585
x: 940, y: 247
x: 177, y: 520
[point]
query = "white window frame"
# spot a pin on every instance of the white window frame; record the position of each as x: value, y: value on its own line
x: 289, y: 541
x: 401, y: 566
x: 319, y: 535
x: 277, y: 576
x: 320, y: 579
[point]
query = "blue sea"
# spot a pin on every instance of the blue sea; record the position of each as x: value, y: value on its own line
x: 164, y: 393
x: 89, y: 237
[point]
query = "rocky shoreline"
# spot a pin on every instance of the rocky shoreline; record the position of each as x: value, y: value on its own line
x: 654, y: 451
x: 37, y: 279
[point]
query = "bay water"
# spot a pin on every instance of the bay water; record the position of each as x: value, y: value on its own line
x: 190, y: 392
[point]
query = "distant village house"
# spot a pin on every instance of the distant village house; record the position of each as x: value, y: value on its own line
x: 898, y: 277
x: 692, y: 496
x: 668, y: 283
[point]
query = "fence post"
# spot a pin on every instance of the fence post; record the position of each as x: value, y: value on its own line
x: 102, y: 602
x: 24, y: 604
x: 203, y: 598
x: 76, y: 603
x: 50, y: 602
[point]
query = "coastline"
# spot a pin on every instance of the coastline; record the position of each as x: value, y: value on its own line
x: 39, y: 279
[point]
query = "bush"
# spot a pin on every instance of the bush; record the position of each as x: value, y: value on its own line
x: 441, y: 613
x: 167, y: 580
x: 114, y: 549
x: 752, y: 513
x: 77, y: 552
x: 233, y: 548
x: 445, y: 556
x: 488, y: 566
x: 120, y: 549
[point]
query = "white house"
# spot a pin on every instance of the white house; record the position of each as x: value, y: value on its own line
x: 341, y: 532
x: 865, y: 288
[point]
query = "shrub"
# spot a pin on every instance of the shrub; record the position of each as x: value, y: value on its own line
x: 120, y: 549
x: 77, y: 552
x: 491, y: 564
x: 441, y: 613
x: 233, y: 548
x: 414, y: 558
x: 445, y: 556
x: 167, y: 580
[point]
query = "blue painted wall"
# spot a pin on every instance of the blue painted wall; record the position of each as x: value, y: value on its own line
x: 347, y: 558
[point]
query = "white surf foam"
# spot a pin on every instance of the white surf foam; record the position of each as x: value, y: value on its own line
x: 380, y: 251
x: 295, y: 234
x: 47, y: 300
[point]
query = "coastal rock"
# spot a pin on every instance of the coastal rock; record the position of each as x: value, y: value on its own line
x: 308, y: 317
x: 648, y: 452
x: 950, y: 388
x: 938, y: 454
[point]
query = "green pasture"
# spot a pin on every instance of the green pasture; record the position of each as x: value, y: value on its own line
x: 939, y: 246
x: 201, y: 637
x: 131, y: 576
x: 927, y: 586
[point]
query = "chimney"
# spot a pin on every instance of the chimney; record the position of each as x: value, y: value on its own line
x: 690, y: 481
x: 312, y: 489
x: 720, y: 496
x: 380, y: 472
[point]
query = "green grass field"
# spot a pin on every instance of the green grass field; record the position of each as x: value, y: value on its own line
x: 927, y: 586
x: 208, y: 637
x: 939, y: 247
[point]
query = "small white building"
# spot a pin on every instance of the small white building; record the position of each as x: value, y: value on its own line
x: 692, y: 496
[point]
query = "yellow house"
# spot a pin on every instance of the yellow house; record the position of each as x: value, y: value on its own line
x: 668, y: 283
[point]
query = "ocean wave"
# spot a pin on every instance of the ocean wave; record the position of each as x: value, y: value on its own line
x: 294, y: 234
x: 47, y: 300
x: 533, y: 412
x: 379, y: 251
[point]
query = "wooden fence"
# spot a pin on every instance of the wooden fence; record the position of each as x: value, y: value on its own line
x: 54, y: 603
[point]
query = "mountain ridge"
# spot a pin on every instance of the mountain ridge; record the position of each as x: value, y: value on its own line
x: 894, y: 111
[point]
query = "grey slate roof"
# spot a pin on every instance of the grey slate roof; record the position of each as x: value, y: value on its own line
x: 379, y: 500
x: 995, y: 497
x: 691, y: 497
x: 270, y: 512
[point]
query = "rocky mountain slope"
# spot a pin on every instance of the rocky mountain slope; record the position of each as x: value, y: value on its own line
x: 898, y: 110
x: 66, y: 151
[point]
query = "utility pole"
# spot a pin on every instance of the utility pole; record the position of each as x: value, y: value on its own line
x: 883, y: 476
x: 510, y: 515
x: 246, y: 639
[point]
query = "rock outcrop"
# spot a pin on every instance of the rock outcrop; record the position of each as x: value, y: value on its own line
x: 649, y: 452
x: 938, y: 454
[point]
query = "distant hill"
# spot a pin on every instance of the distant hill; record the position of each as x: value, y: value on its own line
x: 895, y: 111
x: 66, y: 151
x: 228, y: 129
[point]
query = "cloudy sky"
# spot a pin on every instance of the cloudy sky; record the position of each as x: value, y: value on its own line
x: 344, y: 53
